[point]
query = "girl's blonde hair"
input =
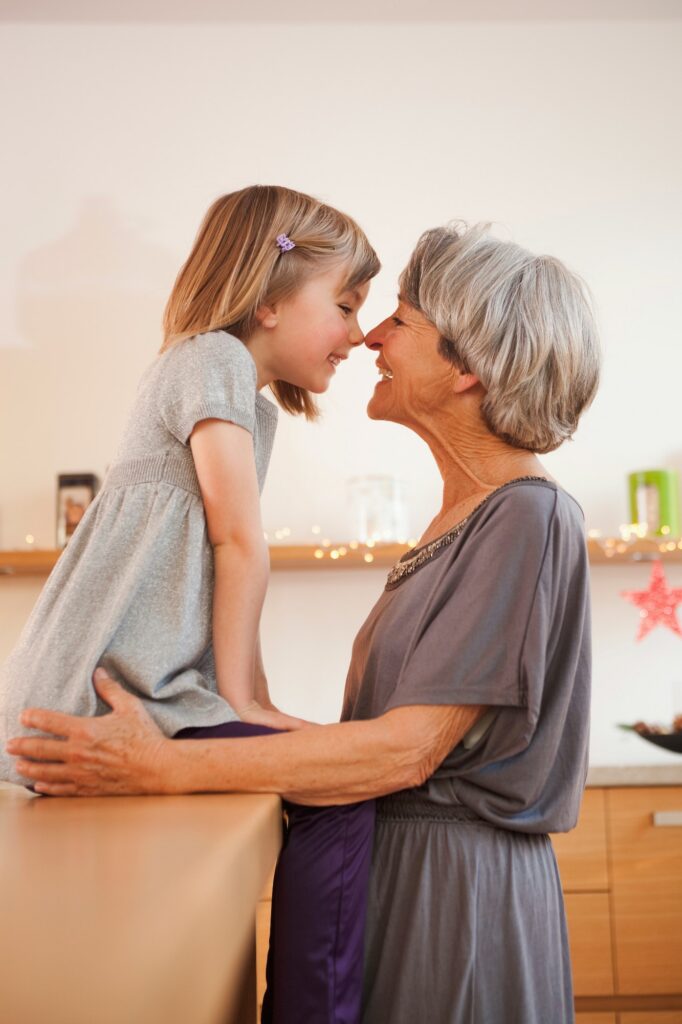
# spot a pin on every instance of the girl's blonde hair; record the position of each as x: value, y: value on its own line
x: 236, y: 266
x: 521, y: 323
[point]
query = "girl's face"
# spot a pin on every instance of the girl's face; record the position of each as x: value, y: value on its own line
x: 311, y: 332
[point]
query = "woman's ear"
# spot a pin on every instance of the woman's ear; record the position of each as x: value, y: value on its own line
x: 267, y: 316
x: 464, y: 381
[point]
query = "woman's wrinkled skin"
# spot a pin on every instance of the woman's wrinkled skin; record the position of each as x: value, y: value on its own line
x: 117, y: 753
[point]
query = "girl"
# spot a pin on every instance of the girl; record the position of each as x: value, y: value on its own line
x: 268, y: 296
x: 163, y: 582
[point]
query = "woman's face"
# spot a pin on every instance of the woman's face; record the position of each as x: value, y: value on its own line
x: 415, y: 379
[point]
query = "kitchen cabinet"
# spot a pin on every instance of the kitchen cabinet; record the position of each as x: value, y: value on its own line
x: 621, y: 871
x: 646, y: 847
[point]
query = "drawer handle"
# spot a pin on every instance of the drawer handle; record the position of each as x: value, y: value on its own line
x: 667, y: 819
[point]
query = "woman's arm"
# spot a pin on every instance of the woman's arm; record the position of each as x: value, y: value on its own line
x: 331, y: 764
x: 124, y: 753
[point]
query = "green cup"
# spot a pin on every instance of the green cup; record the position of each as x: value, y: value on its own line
x: 655, y: 500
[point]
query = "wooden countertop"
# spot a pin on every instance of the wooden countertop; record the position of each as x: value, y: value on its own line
x: 130, y: 910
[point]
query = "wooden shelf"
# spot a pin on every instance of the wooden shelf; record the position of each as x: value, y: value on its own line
x: 290, y: 556
x: 611, y: 551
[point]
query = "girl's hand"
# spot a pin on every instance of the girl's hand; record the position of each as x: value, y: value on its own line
x: 120, y: 753
x: 255, y: 714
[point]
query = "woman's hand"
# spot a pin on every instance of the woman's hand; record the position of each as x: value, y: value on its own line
x: 120, y: 753
x: 258, y: 714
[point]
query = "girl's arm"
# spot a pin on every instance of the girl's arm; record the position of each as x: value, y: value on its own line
x: 125, y: 753
x: 226, y: 469
x: 225, y: 465
x: 260, y: 681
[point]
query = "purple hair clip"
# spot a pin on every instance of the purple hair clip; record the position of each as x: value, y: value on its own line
x: 284, y: 243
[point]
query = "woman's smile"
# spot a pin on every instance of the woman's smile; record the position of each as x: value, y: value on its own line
x: 385, y: 373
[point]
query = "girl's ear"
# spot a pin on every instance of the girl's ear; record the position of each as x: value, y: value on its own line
x: 267, y: 316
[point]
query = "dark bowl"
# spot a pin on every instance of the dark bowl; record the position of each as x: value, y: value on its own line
x: 667, y: 740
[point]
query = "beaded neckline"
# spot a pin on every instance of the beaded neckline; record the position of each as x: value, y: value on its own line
x: 415, y: 559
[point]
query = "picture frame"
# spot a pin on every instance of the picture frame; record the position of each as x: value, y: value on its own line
x: 75, y: 491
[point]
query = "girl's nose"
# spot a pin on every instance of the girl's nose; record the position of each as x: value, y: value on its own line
x: 355, y: 336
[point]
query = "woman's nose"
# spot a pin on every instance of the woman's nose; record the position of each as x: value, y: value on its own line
x: 373, y: 337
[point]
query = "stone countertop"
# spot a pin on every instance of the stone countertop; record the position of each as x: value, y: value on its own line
x: 635, y: 775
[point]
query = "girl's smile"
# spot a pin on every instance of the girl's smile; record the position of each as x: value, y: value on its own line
x: 303, y: 339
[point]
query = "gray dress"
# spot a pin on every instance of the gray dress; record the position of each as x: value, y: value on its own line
x: 466, y: 921
x: 133, y: 590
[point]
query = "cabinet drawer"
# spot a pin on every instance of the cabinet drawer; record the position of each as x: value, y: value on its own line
x: 581, y: 854
x: 589, y: 936
x: 595, y: 1018
x: 647, y: 889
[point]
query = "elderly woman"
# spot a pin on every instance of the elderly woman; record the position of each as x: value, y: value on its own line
x: 466, y: 709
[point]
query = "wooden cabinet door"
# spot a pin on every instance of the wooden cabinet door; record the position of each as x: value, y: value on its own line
x: 589, y: 938
x: 581, y: 853
x: 646, y: 857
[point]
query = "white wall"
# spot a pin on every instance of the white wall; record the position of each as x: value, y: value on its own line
x: 117, y: 138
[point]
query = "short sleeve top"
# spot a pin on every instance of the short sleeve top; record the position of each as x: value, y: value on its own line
x: 209, y: 376
x: 500, y: 617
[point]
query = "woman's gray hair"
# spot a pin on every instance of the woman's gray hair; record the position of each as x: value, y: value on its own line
x: 521, y: 323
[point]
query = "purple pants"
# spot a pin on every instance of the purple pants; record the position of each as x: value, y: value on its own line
x: 319, y: 903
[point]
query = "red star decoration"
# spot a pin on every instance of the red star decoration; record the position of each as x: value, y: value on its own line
x: 657, y: 604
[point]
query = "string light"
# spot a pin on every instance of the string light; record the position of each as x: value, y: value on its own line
x: 631, y: 541
x: 634, y: 541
